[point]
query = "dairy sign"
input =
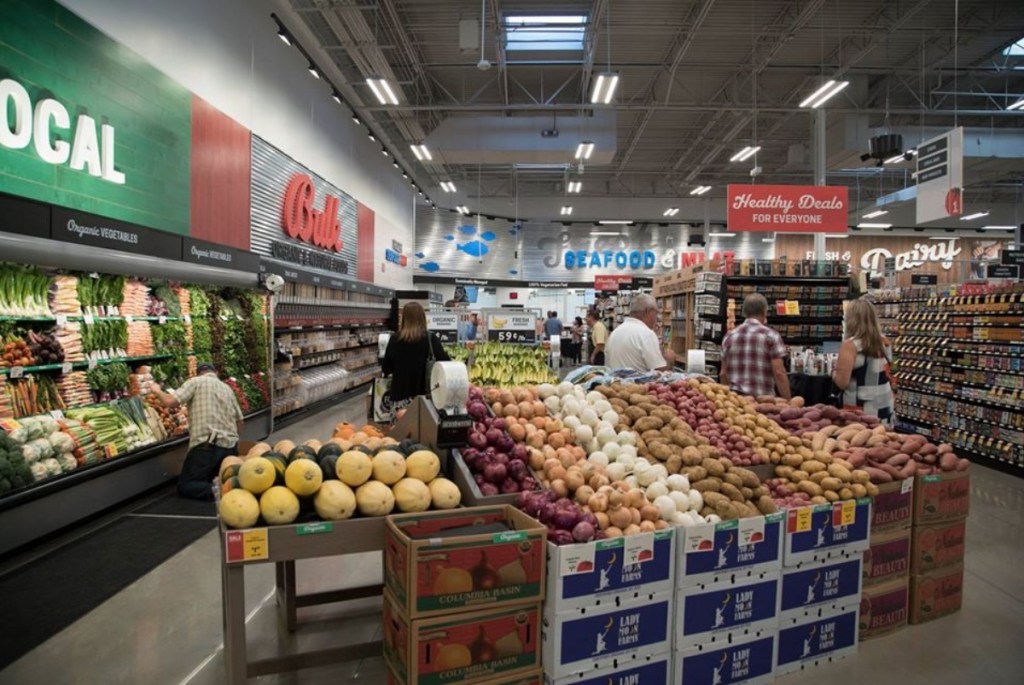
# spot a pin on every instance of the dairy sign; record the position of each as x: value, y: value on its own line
x: 941, y: 252
x: 787, y: 209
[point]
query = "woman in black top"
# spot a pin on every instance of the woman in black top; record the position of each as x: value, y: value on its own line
x: 405, y: 359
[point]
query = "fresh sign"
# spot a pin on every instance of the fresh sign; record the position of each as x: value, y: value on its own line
x: 804, y: 209
x: 90, y: 150
x: 515, y: 328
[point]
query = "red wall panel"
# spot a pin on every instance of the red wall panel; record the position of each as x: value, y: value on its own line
x: 366, y: 244
x: 221, y: 163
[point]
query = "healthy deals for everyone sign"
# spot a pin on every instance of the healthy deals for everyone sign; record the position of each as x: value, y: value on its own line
x: 791, y: 209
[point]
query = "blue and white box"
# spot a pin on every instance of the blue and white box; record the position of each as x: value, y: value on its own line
x: 750, y: 662
x: 724, y: 612
x: 599, y: 573
x: 652, y: 669
x: 588, y: 639
x: 716, y: 552
x: 824, y: 531
x: 814, y: 588
x: 819, y: 641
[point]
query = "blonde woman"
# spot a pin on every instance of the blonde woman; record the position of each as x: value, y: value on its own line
x: 862, y: 372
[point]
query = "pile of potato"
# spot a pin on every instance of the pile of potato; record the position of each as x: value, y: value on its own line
x: 799, y: 419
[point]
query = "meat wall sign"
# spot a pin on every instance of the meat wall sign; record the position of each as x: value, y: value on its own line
x: 789, y: 209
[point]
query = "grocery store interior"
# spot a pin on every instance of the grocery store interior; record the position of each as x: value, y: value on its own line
x: 420, y: 342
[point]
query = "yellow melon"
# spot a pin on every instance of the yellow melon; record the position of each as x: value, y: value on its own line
x: 411, y: 495
x: 422, y: 465
x: 258, y: 449
x: 374, y: 499
x: 239, y: 509
x: 359, y: 437
x: 279, y: 505
x: 303, y: 477
x: 444, y: 494
x: 334, y: 501
x: 315, y: 444
x: 388, y: 467
x: 257, y: 474
x: 284, y: 446
x: 354, y: 468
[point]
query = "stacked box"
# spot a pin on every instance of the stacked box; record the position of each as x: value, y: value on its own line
x: 655, y: 669
x: 609, y: 606
x: 463, y: 608
x: 886, y: 592
x: 938, y: 538
x: 824, y: 531
x: 728, y: 588
x: 824, y: 639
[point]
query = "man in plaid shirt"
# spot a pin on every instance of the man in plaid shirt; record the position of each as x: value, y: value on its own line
x: 752, y: 354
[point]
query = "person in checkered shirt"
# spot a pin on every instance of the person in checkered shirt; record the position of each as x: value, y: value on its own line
x: 752, y: 354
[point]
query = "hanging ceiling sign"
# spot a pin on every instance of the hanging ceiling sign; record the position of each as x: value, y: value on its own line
x: 612, y: 283
x: 940, y: 177
x: 789, y: 209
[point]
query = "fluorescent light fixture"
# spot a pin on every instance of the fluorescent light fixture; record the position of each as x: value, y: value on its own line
x: 605, y: 233
x: 283, y: 35
x: 584, y: 150
x: 1015, y: 106
x: 721, y: 235
x: 767, y: 240
x: 671, y: 211
x: 868, y: 224
x: 405, y: 175
x: 313, y: 72
x: 421, y: 152
x: 448, y: 186
x: 335, y: 96
x: 384, y: 152
x: 566, y: 210
x: 382, y: 91
x: 462, y: 209
x: 876, y: 213
x: 895, y: 159
x: 395, y: 164
x: 745, y: 154
x: 836, y: 236
x: 355, y: 118
x: 997, y: 227
x: 603, y: 89
x: 615, y: 222
x: 371, y: 137
x: 826, y: 92
x: 700, y: 190
x: 575, y: 186
x: 972, y: 217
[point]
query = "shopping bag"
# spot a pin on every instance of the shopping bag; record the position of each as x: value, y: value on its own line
x: 382, y: 408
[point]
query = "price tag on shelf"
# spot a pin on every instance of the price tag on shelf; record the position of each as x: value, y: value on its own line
x: 89, y: 319
x: 66, y: 367
x: 62, y: 320
x: 129, y: 318
x: 57, y: 414
x: 162, y: 320
x: 9, y: 425
x: 16, y: 372
x: 92, y: 364
x: 188, y: 318
x: 246, y: 545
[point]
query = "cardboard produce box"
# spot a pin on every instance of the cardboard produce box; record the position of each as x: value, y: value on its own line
x: 655, y: 669
x: 884, y: 608
x: 893, y: 506
x: 429, y: 571
x: 535, y: 678
x: 714, y: 552
x: 496, y: 645
x: 612, y: 571
x: 747, y: 660
x: 936, y: 593
x: 471, y: 495
x: 585, y: 640
x: 719, y: 612
x: 815, y: 588
x: 819, y: 641
x: 936, y: 545
x: 824, y: 531
x: 888, y: 557
x: 941, y: 497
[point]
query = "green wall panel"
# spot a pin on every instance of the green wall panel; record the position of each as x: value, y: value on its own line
x: 53, y: 53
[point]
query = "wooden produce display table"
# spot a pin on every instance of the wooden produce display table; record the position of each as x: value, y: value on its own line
x: 283, y: 546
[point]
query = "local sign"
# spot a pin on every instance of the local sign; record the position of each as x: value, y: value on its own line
x: 791, y: 209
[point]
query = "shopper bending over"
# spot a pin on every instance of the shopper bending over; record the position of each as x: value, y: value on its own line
x: 753, y: 353
x: 214, y: 422
x: 408, y: 353
x: 862, y: 372
x: 598, y: 338
x: 634, y: 344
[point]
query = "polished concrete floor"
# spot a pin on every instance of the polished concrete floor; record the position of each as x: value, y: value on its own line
x: 166, y: 627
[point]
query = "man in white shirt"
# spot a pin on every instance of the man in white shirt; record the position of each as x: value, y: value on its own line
x: 634, y: 344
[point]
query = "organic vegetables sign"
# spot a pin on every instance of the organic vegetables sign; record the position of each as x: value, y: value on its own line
x: 793, y: 209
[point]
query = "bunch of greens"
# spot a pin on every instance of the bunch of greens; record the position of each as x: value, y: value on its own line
x: 252, y: 393
x: 14, y: 472
x: 217, y: 330
x: 255, y: 334
x: 199, y: 304
x: 201, y: 341
x: 171, y: 338
x: 24, y: 291
x: 166, y: 294
x: 104, y: 336
x: 100, y: 294
x: 109, y: 378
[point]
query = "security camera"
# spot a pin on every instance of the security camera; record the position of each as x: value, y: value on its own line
x: 755, y: 172
x: 273, y: 283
